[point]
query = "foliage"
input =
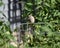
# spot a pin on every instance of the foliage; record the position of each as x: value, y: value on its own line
x: 5, y: 32
x: 5, y: 35
x: 45, y: 35
x: 1, y: 3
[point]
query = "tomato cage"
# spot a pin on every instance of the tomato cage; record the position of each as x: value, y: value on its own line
x: 28, y: 29
x: 35, y: 31
x: 41, y: 29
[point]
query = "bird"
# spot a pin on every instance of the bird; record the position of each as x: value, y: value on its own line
x: 31, y: 18
x: 31, y: 21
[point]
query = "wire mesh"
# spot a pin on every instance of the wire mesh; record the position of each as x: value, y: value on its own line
x: 15, y: 12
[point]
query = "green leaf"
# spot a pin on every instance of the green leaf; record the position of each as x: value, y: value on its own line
x: 1, y: 3
x: 47, y: 4
x: 1, y: 23
x: 11, y: 46
x: 38, y: 7
x: 29, y: 4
